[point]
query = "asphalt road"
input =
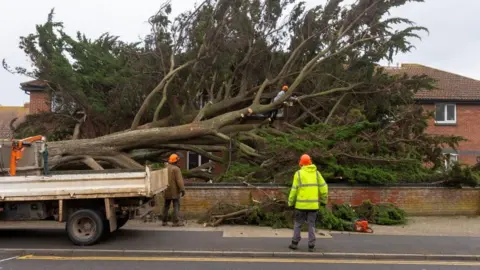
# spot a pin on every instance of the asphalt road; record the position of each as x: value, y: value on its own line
x: 177, y: 240
x: 7, y: 262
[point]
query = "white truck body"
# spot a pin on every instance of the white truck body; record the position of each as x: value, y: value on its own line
x: 92, y: 203
x: 95, y: 184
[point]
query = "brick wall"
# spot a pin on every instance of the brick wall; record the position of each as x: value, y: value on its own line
x: 39, y: 102
x: 467, y: 126
x: 423, y: 201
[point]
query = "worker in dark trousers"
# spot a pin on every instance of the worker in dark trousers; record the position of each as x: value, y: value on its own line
x: 175, y: 190
x: 309, y: 192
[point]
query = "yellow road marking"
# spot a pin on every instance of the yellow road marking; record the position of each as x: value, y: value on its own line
x: 245, y: 260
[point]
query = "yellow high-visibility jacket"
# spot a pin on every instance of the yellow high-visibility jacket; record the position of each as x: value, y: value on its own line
x: 309, y: 189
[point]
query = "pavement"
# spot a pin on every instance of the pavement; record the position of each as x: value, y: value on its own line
x: 177, y: 263
x: 148, y: 238
x: 138, y: 240
x: 140, y: 245
x: 419, y: 226
x: 434, y: 226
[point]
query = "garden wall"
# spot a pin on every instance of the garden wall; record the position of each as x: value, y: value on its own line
x: 419, y: 201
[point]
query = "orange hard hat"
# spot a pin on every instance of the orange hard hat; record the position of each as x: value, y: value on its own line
x: 285, y: 87
x: 173, y: 158
x: 305, y: 160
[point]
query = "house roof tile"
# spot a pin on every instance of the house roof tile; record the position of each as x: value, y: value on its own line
x: 34, y: 85
x: 7, y: 114
x: 449, y: 86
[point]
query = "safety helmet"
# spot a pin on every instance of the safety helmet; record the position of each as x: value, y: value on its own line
x: 173, y: 158
x: 305, y: 160
x: 285, y: 87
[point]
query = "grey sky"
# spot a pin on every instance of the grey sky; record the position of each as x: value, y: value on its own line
x: 453, y: 43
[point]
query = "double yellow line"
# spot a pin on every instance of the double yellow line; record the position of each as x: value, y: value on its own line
x: 247, y: 260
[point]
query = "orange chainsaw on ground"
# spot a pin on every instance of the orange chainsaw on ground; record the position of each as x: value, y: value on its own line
x: 362, y: 226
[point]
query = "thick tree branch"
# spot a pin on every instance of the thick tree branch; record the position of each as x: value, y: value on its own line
x: 148, y: 154
x: 198, y: 174
x: 90, y: 162
x: 211, y: 96
x: 361, y: 15
x: 163, y: 100
x: 243, y: 147
x: 198, y: 149
x: 308, y: 111
x: 11, y: 125
x: 78, y: 126
x: 303, y: 116
x: 334, y: 109
x: 292, y: 58
x: 210, y: 165
x: 149, y: 98
x: 125, y: 161
x: 231, y: 129
x: 331, y: 91
x: 201, y: 114
x: 376, y: 160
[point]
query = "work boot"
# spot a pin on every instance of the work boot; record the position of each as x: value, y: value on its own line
x: 293, y: 246
x: 311, y: 249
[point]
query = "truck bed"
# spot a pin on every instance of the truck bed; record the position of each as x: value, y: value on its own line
x: 83, y: 185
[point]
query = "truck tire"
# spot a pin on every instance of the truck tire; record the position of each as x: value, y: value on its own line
x: 85, y: 227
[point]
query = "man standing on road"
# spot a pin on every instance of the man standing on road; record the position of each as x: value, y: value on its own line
x: 175, y: 190
x: 309, y: 192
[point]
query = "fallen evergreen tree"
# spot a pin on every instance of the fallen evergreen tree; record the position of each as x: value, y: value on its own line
x: 276, y: 214
x: 200, y: 82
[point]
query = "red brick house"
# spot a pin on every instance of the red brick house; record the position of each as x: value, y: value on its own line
x: 456, y: 103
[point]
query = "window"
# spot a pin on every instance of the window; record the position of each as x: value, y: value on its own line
x: 194, y: 160
x: 61, y: 104
x: 450, y: 159
x: 445, y: 113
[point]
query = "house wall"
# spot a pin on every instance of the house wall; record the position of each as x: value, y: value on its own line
x: 467, y: 126
x: 39, y: 102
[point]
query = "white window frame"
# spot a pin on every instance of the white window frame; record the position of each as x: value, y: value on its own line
x: 445, y: 121
x: 450, y: 160
x: 199, y: 159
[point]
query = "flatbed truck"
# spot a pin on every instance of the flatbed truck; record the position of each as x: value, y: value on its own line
x: 92, y: 204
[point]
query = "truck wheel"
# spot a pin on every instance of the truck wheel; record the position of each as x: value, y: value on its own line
x: 85, y: 227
